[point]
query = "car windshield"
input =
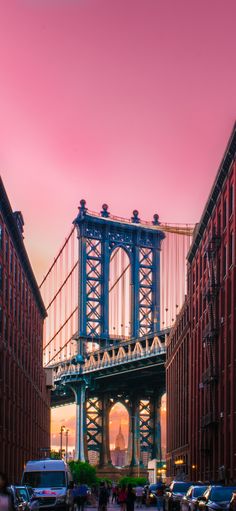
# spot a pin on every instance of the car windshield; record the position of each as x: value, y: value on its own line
x: 45, y: 479
x: 221, y: 494
x: 22, y: 492
x: 180, y: 487
x: 199, y: 490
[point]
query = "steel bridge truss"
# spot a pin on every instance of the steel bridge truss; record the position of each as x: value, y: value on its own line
x: 143, y: 428
x: 98, y: 238
x: 94, y: 424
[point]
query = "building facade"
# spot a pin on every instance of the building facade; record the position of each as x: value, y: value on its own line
x: 24, y: 398
x: 177, y: 385
x: 211, y: 350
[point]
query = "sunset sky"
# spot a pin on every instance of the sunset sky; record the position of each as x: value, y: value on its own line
x: 129, y: 102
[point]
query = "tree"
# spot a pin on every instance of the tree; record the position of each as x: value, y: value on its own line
x: 55, y: 455
x: 135, y: 481
x: 83, y: 472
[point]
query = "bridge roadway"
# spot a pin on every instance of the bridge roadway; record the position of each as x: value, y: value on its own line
x: 117, y: 369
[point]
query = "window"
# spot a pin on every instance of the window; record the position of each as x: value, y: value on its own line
x: 6, y: 290
x: 6, y: 250
x: 224, y: 213
x: 1, y: 278
x: 5, y: 327
x: 231, y: 199
x: 219, y: 223
x: 224, y: 260
x: 1, y: 236
x: 231, y: 248
x: 11, y: 297
x: 45, y: 479
x: 229, y: 297
x: 0, y: 320
x: 15, y: 272
x: 200, y: 303
x: 11, y: 260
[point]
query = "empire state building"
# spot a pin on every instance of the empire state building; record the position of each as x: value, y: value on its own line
x: 119, y: 454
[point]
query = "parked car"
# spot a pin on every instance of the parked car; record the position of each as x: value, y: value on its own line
x: 189, y: 500
x: 216, y: 498
x: 22, y: 497
x: 175, y: 493
x: 232, y: 504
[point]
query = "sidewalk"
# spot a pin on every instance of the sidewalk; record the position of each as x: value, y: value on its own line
x: 116, y: 507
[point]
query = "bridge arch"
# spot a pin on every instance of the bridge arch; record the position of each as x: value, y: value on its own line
x: 120, y: 293
x: 119, y: 423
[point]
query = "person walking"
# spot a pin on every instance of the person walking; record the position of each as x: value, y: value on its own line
x: 122, y: 498
x: 103, y: 497
x: 6, y: 498
x: 160, y: 495
x: 130, y: 498
x: 70, y: 496
x: 114, y: 494
x: 80, y: 496
x: 139, y: 496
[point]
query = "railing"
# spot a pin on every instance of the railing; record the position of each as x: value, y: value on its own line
x: 209, y: 333
x: 184, y: 229
x: 119, y: 358
x: 208, y: 419
x: 122, y: 342
x: 210, y: 290
x: 209, y: 376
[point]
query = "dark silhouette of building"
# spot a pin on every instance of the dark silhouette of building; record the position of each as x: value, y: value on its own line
x: 24, y: 399
x: 119, y: 454
x: 207, y: 451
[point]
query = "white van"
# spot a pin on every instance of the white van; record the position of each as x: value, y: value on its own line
x: 50, y: 480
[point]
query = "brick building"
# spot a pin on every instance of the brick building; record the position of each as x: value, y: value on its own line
x: 211, y: 351
x: 177, y: 382
x: 24, y: 398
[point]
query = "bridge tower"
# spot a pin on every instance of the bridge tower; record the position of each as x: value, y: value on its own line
x: 98, y: 237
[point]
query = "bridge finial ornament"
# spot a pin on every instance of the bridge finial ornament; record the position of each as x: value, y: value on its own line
x: 135, y: 218
x: 105, y: 213
x: 156, y: 219
x: 82, y: 208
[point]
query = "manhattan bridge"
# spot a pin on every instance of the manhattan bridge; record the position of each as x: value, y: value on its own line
x: 112, y: 294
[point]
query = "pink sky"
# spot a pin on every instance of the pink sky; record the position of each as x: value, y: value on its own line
x: 128, y: 102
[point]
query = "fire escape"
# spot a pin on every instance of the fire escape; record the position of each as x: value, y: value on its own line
x: 210, y: 333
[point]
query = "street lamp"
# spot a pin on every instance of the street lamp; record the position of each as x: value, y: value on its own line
x: 67, y: 432
x: 61, y: 433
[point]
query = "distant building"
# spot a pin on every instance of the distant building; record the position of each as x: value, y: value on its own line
x: 24, y: 399
x: 201, y: 356
x: 119, y: 454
